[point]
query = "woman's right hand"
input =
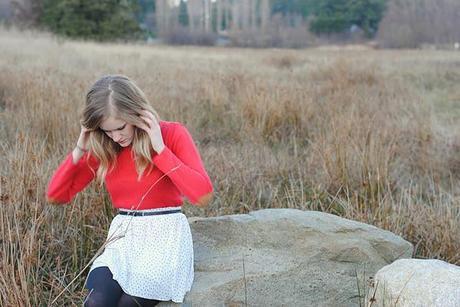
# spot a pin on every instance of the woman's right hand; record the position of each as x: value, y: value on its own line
x: 83, y: 138
x: 82, y: 143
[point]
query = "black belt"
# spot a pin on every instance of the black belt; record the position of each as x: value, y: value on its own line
x: 140, y: 213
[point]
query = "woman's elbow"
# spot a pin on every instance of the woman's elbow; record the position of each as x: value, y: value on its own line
x: 204, y: 200
x: 55, y: 202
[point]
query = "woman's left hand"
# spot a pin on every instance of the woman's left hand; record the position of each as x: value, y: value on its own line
x: 152, y: 127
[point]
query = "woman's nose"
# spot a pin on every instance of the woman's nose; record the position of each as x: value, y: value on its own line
x: 116, y: 136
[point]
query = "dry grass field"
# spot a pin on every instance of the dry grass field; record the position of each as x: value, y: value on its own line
x: 369, y: 135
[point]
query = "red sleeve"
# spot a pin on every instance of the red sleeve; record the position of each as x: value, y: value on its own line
x: 69, y: 178
x: 190, y: 177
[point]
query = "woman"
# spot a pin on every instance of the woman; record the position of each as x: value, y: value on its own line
x: 147, y: 165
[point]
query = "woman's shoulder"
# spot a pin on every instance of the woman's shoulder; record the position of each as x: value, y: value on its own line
x: 173, y: 133
x: 169, y: 124
x: 168, y: 128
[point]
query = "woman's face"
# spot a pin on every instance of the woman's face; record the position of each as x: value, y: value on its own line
x: 118, y: 130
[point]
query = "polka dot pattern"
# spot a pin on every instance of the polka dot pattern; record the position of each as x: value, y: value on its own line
x: 150, y: 256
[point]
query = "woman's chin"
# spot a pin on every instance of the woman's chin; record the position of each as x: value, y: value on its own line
x: 125, y: 144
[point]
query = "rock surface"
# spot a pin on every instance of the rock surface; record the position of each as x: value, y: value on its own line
x: 287, y: 257
x: 416, y: 282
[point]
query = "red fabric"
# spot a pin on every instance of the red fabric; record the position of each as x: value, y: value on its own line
x: 189, y: 179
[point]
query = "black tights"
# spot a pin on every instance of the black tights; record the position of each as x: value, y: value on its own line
x: 106, y: 292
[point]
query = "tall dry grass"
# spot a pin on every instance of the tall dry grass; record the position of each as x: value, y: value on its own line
x: 368, y: 135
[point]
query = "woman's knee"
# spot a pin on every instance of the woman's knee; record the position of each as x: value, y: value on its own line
x: 98, y: 299
x: 134, y: 301
x: 104, y: 290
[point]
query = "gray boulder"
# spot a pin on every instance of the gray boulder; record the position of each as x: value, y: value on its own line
x: 287, y: 257
x: 416, y: 282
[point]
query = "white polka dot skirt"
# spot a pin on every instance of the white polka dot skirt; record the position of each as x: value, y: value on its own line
x: 150, y: 256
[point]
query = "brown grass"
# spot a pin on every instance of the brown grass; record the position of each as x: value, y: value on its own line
x: 368, y: 135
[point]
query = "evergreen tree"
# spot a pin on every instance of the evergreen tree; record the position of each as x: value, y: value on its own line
x: 331, y: 16
x: 301, y: 7
x: 339, y: 15
x: 144, y: 7
x: 183, y: 15
x: 98, y: 20
x: 367, y: 14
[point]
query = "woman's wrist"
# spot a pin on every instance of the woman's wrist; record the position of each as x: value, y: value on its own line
x: 82, y: 149
x: 77, y: 153
x: 160, y: 149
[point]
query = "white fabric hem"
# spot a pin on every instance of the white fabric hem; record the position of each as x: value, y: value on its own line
x: 159, y: 247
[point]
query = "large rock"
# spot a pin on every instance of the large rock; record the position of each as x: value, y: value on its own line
x: 287, y: 257
x: 416, y: 282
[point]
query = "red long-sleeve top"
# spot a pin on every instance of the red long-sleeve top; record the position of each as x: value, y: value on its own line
x: 179, y: 160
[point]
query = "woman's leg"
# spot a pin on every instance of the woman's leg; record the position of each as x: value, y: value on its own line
x: 127, y: 300
x: 104, y: 290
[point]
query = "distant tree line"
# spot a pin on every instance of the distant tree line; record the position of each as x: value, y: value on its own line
x: 320, y: 16
x: 255, y: 23
x: 112, y: 19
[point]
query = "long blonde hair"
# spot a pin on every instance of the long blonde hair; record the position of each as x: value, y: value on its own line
x: 119, y: 97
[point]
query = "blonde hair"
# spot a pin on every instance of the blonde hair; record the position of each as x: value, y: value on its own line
x: 119, y: 97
